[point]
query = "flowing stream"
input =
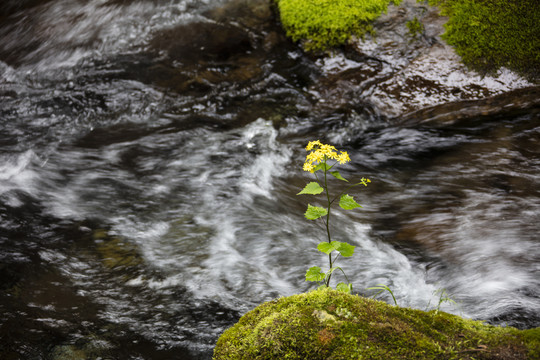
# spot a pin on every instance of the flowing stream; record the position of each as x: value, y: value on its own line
x: 149, y: 171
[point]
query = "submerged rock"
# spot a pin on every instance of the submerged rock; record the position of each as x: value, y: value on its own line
x: 333, y: 325
x: 249, y: 14
x: 116, y: 253
x: 90, y: 347
x: 228, y: 45
x: 202, y: 41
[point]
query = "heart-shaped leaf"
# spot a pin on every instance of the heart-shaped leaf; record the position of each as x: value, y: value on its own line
x: 346, y: 250
x: 315, y: 212
x: 326, y: 247
x: 312, y: 188
x: 347, y: 288
x: 314, y: 273
x: 347, y: 202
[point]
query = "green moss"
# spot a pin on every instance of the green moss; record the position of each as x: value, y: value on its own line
x: 488, y: 34
x: 415, y: 27
x: 327, y: 23
x: 328, y: 324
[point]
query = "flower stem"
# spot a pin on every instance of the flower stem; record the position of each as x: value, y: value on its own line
x: 328, y: 219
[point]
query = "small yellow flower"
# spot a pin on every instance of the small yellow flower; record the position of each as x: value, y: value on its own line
x: 343, y: 158
x: 329, y: 151
x: 321, y: 152
x: 332, y: 155
x: 312, y: 144
x: 327, y: 148
x: 310, y: 158
x: 308, y: 167
x: 318, y: 156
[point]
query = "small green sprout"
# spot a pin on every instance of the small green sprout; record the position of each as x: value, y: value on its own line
x: 382, y: 288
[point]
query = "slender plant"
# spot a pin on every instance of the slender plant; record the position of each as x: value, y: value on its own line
x: 320, y: 161
x: 444, y: 297
x: 382, y: 288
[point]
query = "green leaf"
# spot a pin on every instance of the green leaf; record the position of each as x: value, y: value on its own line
x: 326, y: 247
x: 347, y: 202
x: 314, y: 273
x: 315, y: 212
x: 343, y: 248
x: 337, y: 175
x: 312, y: 188
x: 323, y: 166
x: 347, y: 288
x: 382, y: 288
x: 346, y: 250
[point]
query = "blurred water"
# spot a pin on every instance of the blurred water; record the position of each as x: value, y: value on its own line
x: 139, y: 220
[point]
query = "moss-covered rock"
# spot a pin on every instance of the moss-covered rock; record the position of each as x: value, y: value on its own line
x: 327, y: 23
x: 327, y: 324
x: 488, y: 34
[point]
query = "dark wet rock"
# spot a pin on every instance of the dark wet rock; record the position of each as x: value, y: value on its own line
x: 344, y: 81
x: 231, y: 46
x: 510, y: 104
x: 202, y: 41
x: 436, y: 77
x: 392, y: 41
x: 201, y: 54
x: 235, y: 29
x: 255, y: 15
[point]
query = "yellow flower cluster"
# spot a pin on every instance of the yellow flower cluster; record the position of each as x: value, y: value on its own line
x: 320, y: 153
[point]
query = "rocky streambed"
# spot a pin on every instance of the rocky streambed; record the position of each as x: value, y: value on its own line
x: 150, y: 153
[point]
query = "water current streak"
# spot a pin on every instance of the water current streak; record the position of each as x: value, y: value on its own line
x: 150, y: 153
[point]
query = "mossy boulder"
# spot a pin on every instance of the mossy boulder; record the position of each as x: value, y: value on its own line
x: 321, y: 24
x: 327, y: 324
x: 489, y: 34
